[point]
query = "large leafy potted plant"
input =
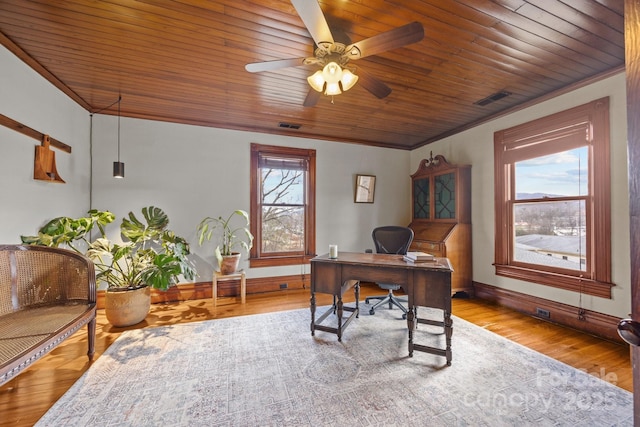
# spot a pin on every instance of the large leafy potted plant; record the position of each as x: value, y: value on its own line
x: 151, y: 256
x: 229, y: 236
x: 73, y: 233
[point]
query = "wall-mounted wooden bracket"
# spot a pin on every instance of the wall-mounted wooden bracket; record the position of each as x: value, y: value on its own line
x: 44, y: 165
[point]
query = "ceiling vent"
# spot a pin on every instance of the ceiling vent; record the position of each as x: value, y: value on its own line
x: 492, y: 98
x: 288, y: 125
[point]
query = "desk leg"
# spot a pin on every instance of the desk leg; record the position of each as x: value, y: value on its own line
x: 337, y: 309
x: 448, y: 330
x: 411, y: 317
x: 357, y: 292
x: 313, y: 313
x: 339, y: 313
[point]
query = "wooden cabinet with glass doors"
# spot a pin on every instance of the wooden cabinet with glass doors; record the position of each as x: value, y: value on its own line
x: 441, y: 222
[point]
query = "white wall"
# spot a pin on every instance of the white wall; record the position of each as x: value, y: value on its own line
x: 192, y: 172
x: 31, y: 100
x: 475, y: 147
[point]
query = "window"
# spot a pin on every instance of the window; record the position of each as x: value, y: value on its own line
x: 553, y: 200
x: 282, y: 205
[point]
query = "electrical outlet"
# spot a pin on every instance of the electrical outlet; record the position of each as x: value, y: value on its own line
x: 284, y: 285
x: 541, y: 312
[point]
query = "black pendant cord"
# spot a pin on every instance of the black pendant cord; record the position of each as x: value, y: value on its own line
x: 118, y: 166
x: 119, y: 99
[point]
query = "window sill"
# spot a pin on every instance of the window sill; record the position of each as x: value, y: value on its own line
x: 556, y: 280
x: 278, y: 261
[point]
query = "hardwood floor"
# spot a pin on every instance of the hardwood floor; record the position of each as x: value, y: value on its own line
x: 27, y: 397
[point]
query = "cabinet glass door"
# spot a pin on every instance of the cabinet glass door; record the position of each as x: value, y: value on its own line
x: 445, y: 196
x: 421, y: 198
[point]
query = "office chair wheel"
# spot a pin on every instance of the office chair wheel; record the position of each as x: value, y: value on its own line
x: 366, y: 301
x: 404, y: 316
x: 372, y: 312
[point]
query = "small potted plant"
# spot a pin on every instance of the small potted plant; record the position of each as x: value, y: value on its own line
x: 151, y: 256
x: 229, y: 237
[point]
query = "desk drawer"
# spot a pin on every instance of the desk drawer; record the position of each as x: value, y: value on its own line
x: 435, y: 248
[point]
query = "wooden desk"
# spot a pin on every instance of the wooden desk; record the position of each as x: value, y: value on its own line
x: 426, y: 284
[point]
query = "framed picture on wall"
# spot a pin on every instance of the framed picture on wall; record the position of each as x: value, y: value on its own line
x: 365, y: 188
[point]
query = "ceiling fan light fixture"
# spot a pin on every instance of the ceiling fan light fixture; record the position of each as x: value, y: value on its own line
x: 332, y: 72
x: 333, y: 89
x: 332, y: 79
x: 316, y: 81
x: 348, y: 79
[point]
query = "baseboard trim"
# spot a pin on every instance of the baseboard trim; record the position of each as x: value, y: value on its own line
x: 202, y: 290
x: 592, y: 322
x: 599, y: 324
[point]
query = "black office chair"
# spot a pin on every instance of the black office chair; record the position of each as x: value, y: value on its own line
x: 390, y: 239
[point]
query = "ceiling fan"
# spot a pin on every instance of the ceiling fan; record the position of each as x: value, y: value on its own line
x: 333, y: 57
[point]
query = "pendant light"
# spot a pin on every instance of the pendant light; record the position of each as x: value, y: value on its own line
x: 118, y: 167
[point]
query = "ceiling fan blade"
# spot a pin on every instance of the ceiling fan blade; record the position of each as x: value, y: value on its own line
x: 313, y: 18
x: 256, y: 67
x: 398, y: 37
x: 373, y: 84
x: 312, y: 98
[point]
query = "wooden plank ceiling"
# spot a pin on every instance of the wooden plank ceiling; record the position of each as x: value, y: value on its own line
x: 183, y: 60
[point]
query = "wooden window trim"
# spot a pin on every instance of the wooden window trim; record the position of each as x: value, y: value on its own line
x: 595, y: 118
x: 257, y: 259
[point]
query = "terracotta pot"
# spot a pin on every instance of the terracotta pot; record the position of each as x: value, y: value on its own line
x: 229, y: 263
x: 127, y: 307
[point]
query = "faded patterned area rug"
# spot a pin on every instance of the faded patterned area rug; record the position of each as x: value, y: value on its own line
x: 267, y: 370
